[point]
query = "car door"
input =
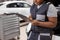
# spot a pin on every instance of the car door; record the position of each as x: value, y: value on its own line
x: 18, y: 7
x: 25, y: 9
x: 11, y: 8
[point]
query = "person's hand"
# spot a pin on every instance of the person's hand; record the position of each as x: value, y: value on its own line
x: 35, y: 22
x: 30, y: 18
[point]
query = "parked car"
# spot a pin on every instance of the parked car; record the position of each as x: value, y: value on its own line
x: 20, y: 7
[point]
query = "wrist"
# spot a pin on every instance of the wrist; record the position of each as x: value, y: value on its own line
x: 38, y: 23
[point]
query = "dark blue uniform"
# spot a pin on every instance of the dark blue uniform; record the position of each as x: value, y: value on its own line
x: 36, y: 32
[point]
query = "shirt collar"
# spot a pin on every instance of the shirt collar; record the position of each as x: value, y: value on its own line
x: 38, y: 6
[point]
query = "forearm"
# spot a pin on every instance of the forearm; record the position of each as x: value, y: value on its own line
x: 46, y: 24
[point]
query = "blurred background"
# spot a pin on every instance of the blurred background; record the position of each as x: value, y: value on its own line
x: 55, y: 2
x: 26, y: 10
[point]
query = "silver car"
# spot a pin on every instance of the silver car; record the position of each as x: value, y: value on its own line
x: 20, y: 7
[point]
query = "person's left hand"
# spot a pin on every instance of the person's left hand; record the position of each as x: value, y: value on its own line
x: 35, y: 22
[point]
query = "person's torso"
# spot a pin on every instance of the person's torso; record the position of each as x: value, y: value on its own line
x: 40, y: 15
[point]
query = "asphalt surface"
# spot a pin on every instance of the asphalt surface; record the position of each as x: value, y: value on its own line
x: 23, y: 35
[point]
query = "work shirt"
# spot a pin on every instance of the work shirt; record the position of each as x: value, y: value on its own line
x: 52, y: 11
x: 39, y: 12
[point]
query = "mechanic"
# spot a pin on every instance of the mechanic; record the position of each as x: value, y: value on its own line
x: 43, y: 19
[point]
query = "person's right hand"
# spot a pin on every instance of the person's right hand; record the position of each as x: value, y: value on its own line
x: 30, y: 19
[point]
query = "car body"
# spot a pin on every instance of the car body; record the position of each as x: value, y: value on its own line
x: 20, y: 7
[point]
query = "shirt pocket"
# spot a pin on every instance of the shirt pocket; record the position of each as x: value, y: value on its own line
x: 40, y: 17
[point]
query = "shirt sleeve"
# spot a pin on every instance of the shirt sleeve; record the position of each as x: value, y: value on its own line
x: 52, y: 11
